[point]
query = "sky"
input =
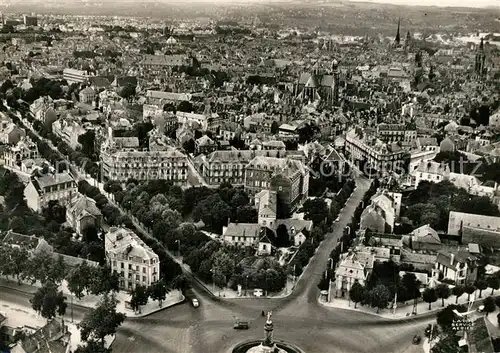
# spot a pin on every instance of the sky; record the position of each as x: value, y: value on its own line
x: 441, y: 3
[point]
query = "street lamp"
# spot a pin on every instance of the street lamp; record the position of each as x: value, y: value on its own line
x: 178, y: 246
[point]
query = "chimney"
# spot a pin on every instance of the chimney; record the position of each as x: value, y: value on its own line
x: 452, y: 257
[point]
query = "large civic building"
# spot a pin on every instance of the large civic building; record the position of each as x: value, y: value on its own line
x: 123, y: 159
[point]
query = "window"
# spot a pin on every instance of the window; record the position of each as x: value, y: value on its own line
x: 144, y: 278
x: 144, y: 270
x: 137, y: 277
x: 137, y: 268
x: 129, y: 267
x: 122, y: 265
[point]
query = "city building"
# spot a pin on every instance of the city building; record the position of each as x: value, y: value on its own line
x: 266, y: 203
x: 68, y: 131
x: 59, y: 187
x: 229, y: 166
x: 75, y: 76
x: 30, y: 20
x: 123, y: 163
x: 349, y: 271
x: 242, y: 234
x: 10, y: 133
x: 87, y: 95
x: 13, y: 156
x: 319, y: 85
x: 289, y: 178
x: 459, y: 267
x: 82, y: 213
x: 362, y: 147
x: 134, y: 261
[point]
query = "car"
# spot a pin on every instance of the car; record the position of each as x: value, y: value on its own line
x: 241, y: 325
x: 337, y: 219
x: 480, y: 309
x: 195, y: 302
x: 417, y: 339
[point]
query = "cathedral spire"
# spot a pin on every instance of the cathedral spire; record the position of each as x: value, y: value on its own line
x: 397, y: 40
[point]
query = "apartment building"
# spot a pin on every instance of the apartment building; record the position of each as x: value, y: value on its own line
x: 53, y: 186
x: 159, y: 162
x: 288, y: 177
x: 360, y: 146
x: 396, y: 132
x: 12, y: 156
x: 134, y: 261
x: 68, y: 131
x: 229, y: 166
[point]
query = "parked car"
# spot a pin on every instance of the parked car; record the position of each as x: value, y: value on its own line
x: 480, y: 309
x: 417, y: 339
x: 195, y: 302
x: 337, y: 219
x: 241, y: 325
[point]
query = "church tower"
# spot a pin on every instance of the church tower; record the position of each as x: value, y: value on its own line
x: 397, y: 40
x: 408, y: 41
x: 336, y: 80
x: 480, y: 60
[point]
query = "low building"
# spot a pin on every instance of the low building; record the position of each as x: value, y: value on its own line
x: 134, y: 261
x: 68, y: 131
x: 82, y: 213
x: 349, y: 271
x: 59, y: 187
x: 87, y: 95
x: 25, y: 149
x: 10, y: 133
x: 266, y: 203
x: 75, y: 76
x: 53, y: 337
x: 425, y: 238
x: 459, y: 267
x: 242, y: 234
x: 204, y: 145
x: 474, y: 228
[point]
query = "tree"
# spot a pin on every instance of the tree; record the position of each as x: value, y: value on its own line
x: 410, y: 287
x: 158, y: 291
x: 357, y: 293
x: 429, y: 296
x: 79, y: 279
x: 48, y: 301
x: 128, y: 92
x: 481, y: 284
x: 379, y: 297
x: 316, y: 210
x: 445, y: 317
x: 92, y: 346
x: 447, y: 344
x: 103, y: 281
x: 458, y: 291
x: 180, y: 283
x: 87, y: 141
x: 102, y: 321
x: 185, y: 106
x: 469, y: 289
x: 493, y: 283
x: 139, y: 296
x: 274, y: 128
x: 442, y: 292
x: 489, y: 305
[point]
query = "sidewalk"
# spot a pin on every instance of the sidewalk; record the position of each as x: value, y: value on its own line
x: 405, y: 311
x: 245, y: 294
x: 91, y: 301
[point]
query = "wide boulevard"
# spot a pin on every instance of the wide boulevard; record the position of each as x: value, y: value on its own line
x: 298, y: 318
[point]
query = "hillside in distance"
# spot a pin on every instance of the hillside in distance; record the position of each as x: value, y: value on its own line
x: 338, y: 16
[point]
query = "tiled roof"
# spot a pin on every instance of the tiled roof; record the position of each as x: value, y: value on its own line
x: 242, y: 230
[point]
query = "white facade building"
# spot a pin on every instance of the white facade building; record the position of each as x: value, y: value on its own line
x: 134, y: 261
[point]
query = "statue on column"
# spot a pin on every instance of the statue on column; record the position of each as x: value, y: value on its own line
x: 269, y: 327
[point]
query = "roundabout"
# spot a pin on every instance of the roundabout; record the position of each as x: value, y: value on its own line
x: 303, y: 325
